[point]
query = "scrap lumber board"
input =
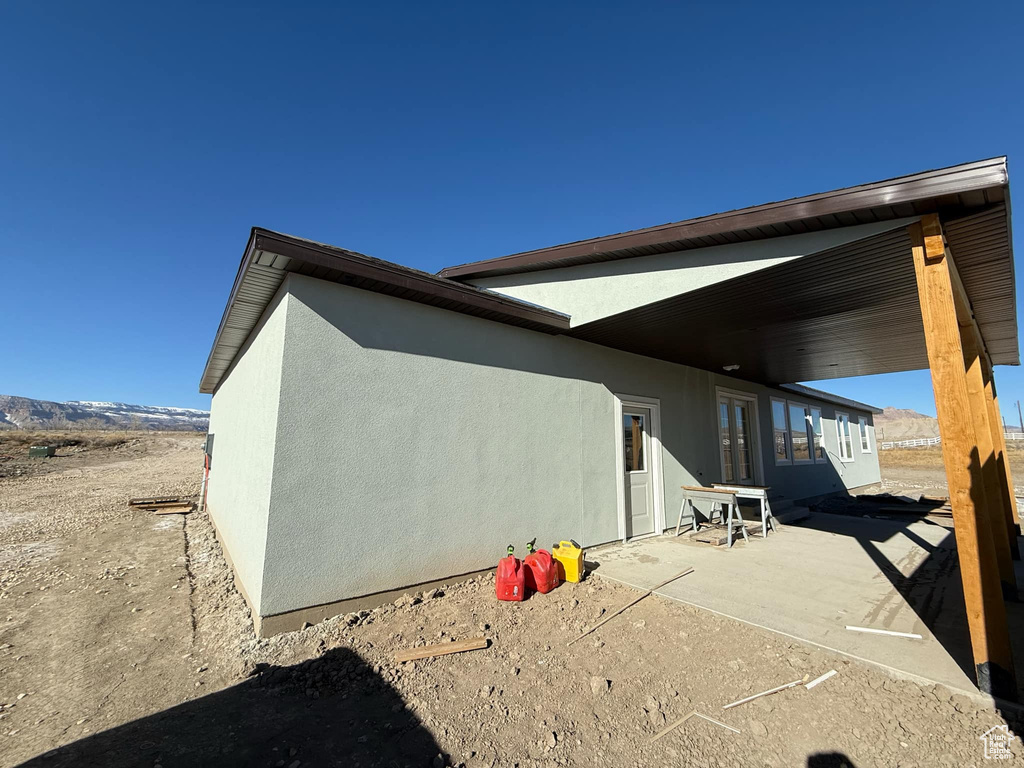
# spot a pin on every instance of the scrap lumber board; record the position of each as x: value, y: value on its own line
x: 441, y: 649
x: 180, y: 509
x: 158, y: 501
x: 672, y: 726
x: 819, y: 680
x: 769, y: 692
x: 716, y: 722
x: 873, y: 631
x: 164, y: 505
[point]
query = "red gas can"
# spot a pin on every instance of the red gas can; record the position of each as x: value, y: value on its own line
x: 541, y: 570
x: 510, y: 580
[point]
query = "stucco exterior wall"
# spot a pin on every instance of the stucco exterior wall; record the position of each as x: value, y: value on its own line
x: 414, y: 444
x: 243, y: 422
x: 589, y: 292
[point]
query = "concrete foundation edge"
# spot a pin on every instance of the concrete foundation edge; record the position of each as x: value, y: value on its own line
x: 268, y: 626
x: 234, y: 572
x: 297, y: 619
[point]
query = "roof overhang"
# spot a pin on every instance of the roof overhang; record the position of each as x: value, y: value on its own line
x: 847, y: 311
x: 852, y: 310
x: 270, y: 257
x: 951, y: 192
x: 828, y: 397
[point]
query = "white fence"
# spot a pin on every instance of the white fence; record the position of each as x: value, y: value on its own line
x: 920, y: 442
x: 926, y: 441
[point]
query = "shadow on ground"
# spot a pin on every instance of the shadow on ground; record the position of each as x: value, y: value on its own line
x: 358, y: 718
x: 934, y: 588
x: 830, y: 760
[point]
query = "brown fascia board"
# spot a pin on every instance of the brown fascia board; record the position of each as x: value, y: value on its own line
x: 360, y: 265
x: 349, y: 264
x: 203, y: 388
x: 828, y: 397
x: 917, y: 187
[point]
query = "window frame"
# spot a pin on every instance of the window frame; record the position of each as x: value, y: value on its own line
x: 862, y: 428
x: 807, y: 431
x: 644, y: 438
x: 753, y: 402
x: 788, y: 460
x: 839, y: 437
x: 819, y: 437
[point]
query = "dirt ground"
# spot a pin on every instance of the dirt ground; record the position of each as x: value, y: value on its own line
x: 124, y: 643
x: 919, y: 470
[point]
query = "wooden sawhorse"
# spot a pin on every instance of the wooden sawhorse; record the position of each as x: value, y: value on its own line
x: 758, y: 493
x: 718, y: 498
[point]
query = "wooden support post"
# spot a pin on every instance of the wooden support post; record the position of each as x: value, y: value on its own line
x: 1006, y: 469
x: 979, y: 568
x: 1002, y: 462
x: 1007, y: 475
x: 977, y: 367
x: 993, y: 490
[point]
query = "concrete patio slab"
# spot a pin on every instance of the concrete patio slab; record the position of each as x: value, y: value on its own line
x: 809, y: 581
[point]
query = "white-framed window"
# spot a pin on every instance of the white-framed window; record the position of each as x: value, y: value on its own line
x: 818, y: 435
x: 865, y: 440
x: 634, y: 432
x: 800, y: 435
x: 780, y: 432
x: 796, y: 432
x: 844, y: 437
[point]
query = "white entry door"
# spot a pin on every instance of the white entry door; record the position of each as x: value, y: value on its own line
x: 639, y: 482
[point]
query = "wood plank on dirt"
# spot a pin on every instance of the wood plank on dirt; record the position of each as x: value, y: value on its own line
x: 183, y: 509
x: 441, y: 649
x: 163, y: 505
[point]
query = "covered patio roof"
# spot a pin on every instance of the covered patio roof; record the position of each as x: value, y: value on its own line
x: 852, y: 310
x: 847, y: 311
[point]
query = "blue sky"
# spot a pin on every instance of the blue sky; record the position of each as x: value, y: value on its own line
x: 142, y: 141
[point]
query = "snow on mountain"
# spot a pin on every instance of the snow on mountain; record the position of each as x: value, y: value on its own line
x: 26, y: 413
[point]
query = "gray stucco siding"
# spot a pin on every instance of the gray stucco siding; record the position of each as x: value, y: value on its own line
x: 243, y: 421
x: 414, y: 444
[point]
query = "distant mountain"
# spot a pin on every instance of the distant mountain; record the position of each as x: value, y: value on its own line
x: 25, y: 413
x: 904, y: 424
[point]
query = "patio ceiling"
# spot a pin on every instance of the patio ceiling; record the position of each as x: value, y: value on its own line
x: 848, y: 311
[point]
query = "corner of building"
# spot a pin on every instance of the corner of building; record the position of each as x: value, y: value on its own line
x: 244, y: 419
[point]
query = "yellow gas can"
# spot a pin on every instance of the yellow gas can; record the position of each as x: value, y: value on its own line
x: 569, y: 556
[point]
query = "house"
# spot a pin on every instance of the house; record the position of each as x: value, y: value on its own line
x: 378, y: 427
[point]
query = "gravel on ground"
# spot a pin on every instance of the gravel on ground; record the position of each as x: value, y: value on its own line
x: 124, y: 642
